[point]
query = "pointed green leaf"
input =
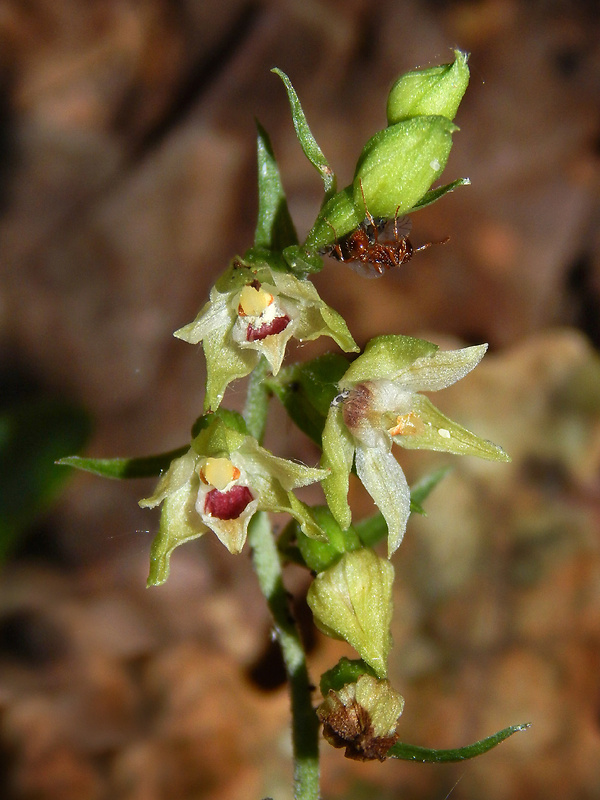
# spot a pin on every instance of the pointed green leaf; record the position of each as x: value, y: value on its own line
x: 274, y: 227
x: 119, y: 468
x: 309, y: 145
x: 410, y: 752
x: 420, y: 491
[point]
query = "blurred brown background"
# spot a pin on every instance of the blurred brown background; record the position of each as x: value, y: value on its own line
x: 127, y: 180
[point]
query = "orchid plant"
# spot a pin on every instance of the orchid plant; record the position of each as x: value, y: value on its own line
x: 354, y: 407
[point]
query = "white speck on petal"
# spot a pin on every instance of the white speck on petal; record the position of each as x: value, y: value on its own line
x: 435, y: 164
x: 445, y: 434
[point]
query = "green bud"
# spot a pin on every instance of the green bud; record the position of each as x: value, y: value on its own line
x: 362, y: 717
x: 398, y: 164
x: 437, y: 90
x: 352, y: 600
x: 345, y: 671
x: 318, y: 555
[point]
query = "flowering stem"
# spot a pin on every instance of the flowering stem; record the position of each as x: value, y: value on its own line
x: 257, y: 400
x: 305, y: 726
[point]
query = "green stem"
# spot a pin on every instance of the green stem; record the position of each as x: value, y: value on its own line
x: 305, y: 725
x: 257, y: 401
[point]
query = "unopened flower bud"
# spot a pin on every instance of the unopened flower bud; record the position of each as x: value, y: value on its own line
x: 437, y: 90
x: 352, y: 600
x: 398, y: 164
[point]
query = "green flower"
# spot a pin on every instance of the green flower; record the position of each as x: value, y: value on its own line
x: 379, y: 405
x: 255, y: 311
x: 218, y: 485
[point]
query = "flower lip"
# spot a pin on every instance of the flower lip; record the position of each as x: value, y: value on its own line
x: 227, y: 505
x: 277, y: 325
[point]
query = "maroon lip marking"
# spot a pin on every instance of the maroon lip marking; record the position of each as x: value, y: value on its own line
x: 267, y: 329
x: 227, y: 505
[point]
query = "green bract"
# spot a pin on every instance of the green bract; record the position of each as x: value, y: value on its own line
x: 379, y: 405
x: 219, y: 484
x: 254, y: 311
x: 437, y: 90
x: 352, y: 600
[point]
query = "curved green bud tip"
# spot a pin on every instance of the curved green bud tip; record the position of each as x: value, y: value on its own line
x: 352, y: 600
x: 399, y: 164
x: 437, y: 90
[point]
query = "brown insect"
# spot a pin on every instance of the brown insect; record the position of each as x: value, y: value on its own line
x: 363, y: 251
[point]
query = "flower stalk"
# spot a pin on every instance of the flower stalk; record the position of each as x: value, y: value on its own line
x: 305, y: 724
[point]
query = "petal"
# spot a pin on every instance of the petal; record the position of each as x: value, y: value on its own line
x: 440, y: 369
x: 316, y: 318
x: 434, y: 431
x: 289, y: 474
x: 272, y: 346
x: 338, y: 453
x: 385, y: 481
x: 180, y: 473
x: 214, y: 316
